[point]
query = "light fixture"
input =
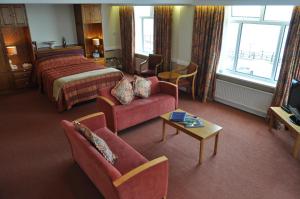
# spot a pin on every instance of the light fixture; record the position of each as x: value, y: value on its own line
x: 11, y: 51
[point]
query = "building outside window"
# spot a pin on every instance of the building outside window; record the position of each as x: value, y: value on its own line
x: 253, y: 42
x: 143, y: 29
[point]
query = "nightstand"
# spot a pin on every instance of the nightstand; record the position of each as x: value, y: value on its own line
x: 100, y: 61
x: 22, y: 77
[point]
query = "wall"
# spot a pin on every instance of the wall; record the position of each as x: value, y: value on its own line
x: 111, y: 27
x: 49, y: 22
x: 182, y: 29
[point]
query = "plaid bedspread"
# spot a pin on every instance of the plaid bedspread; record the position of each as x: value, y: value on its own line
x: 49, y: 70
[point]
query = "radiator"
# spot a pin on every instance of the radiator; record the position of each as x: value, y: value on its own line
x: 242, y: 97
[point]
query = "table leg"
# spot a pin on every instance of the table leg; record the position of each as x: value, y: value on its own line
x: 177, y: 131
x: 201, y: 152
x: 164, y: 131
x: 216, y: 144
x: 296, y: 146
x: 271, y: 122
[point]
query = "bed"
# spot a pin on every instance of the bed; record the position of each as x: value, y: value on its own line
x: 68, y: 78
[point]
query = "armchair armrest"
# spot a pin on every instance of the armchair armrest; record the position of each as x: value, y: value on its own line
x: 93, y: 121
x: 149, y: 179
x: 169, y: 88
x: 107, y: 107
x: 142, y: 63
x: 185, y: 76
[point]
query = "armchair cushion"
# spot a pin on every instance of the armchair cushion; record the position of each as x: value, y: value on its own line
x: 96, y: 141
x: 123, y: 91
x: 141, y: 87
x: 128, y: 157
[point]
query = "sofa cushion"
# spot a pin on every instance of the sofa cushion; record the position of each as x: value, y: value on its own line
x: 128, y: 157
x: 143, y: 109
x: 141, y: 87
x: 96, y: 141
x: 123, y: 91
x: 154, y: 85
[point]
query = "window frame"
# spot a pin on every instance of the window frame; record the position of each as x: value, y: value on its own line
x: 241, y: 21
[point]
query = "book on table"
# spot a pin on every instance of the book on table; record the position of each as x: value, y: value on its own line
x: 188, y: 121
x: 178, y: 116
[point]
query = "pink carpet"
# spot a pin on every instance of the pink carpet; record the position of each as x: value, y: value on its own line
x: 251, y: 163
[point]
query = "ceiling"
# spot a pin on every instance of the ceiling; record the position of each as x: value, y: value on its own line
x: 151, y: 2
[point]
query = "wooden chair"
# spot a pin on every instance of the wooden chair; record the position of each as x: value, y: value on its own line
x: 154, y: 63
x: 186, y: 77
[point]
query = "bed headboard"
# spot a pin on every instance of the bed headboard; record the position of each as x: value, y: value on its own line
x: 48, y: 52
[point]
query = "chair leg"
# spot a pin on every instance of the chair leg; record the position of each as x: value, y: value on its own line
x: 193, y: 92
x: 165, y: 197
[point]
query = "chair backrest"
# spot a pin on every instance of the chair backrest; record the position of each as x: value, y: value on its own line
x: 153, y: 60
x: 192, y: 67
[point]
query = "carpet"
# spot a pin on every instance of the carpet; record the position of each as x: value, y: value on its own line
x: 36, y: 160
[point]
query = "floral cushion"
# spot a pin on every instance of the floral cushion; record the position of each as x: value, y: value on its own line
x: 96, y: 141
x: 142, y: 87
x: 123, y: 91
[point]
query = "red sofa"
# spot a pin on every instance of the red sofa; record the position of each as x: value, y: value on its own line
x: 131, y: 177
x: 163, y: 99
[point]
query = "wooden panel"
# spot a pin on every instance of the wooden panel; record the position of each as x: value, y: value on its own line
x: 7, y: 15
x: 20, y: 15
x: 96, y: 14
x: 5, y: 81
x: 21, y: 83
x: 87, y: 13
x: 91, y: 14
x: 18, y: 36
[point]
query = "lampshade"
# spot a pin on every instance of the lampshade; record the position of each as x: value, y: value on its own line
x: 96, y: 42
x: 11, y: 50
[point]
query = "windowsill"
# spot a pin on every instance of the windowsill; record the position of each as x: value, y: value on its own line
x: 248, y: 82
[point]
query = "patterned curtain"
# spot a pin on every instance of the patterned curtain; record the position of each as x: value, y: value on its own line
x: 290, y: 68
x: 206, y: 47
x: 127, y: 30
x: 163, y: 33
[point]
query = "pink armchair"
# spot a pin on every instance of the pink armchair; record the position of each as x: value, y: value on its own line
x: 163, y: 99
x: 131, y: 177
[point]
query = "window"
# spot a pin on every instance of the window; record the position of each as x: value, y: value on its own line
x: 253, y: 42
x: 143, y: 29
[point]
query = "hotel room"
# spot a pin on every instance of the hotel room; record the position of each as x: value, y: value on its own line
x: 150, y: 99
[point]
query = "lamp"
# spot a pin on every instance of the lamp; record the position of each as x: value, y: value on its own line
x: 97, y: 42
x: 11, y: 51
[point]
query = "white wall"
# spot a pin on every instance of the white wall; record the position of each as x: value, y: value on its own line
x: 111, y: 27
x: 49, y: 22
x: 182, y: 30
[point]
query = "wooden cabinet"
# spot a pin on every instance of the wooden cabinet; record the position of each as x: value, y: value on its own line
x: 22, y: 78
x: 12, y: 15
x: 14, y: 31
x: 89, y: 26
x: 91, y: 13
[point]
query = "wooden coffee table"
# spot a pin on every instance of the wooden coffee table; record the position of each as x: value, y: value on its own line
x: 202, y: 133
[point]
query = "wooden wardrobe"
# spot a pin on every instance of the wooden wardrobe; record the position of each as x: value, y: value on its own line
x: 14, y: 31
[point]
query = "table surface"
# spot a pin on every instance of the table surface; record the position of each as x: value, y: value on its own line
x: 285, y: 117
x: 200, y: 133
x: 168, y: 75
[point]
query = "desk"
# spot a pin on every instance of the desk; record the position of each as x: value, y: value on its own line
x: 279, y: 114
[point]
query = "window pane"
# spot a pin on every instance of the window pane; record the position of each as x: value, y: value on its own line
x: 245, y: 11
x: 281, y: 53
x: 228, y: 47
x: 143, y: 16
x: 257, y: 49
x: 278, y: 13
x: 148, y: 35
